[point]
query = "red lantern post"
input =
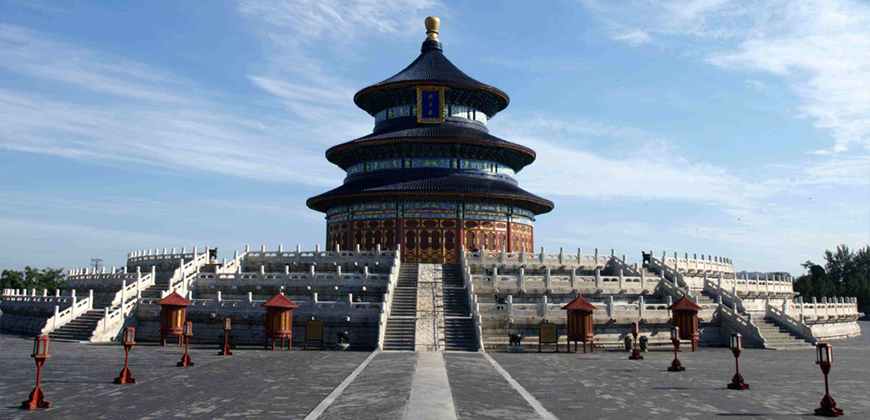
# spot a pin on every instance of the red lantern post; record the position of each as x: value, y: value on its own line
x: 686, y: 317
x: 736, y: 346
x: 227, y: 327
x: 676, y: 366
x: 173, y: 314
x: 635, y: 330
x: 129, y: 340
x: 580, y: 326
x: 188, y: 332
x: 40, y: 353
x: 825, y: 359
x: 279, y: 320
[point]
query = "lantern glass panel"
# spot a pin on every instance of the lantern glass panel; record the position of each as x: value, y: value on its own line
x: 35, y: 346
x: 227, y: 324
x: 188, y: 328
x: 675, y: 333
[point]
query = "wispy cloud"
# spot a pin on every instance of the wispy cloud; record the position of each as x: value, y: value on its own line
x: 146, y: 116
x: 818, y: 47
x: 635, y: 38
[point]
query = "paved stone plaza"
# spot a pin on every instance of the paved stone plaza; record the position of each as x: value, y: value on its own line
x: 77, y: 379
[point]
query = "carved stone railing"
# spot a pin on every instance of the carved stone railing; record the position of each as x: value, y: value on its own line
x: 281, y: 257
x: 668, y: 272
x: 475, y: 307
x: 61, y: 318
x: 504, y: 258
x: 387, y: 300
x: 740, y: 323
x: 695, y: 265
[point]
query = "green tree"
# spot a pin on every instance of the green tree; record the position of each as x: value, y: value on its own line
x: 31, y: 278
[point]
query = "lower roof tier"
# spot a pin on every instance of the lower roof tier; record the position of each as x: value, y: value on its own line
x: 441, y: 185
x: 443, y: 139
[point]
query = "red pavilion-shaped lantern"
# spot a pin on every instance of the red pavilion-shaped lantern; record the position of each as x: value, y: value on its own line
x: 279, y: 320
x: 173, y: 314
x: 685, y: 313
x: 580, y: 323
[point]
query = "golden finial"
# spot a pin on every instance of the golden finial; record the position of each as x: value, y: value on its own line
x: 432, y: 24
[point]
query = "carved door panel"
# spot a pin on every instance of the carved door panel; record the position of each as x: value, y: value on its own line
x: 450, y: 246
x: 409, y: 249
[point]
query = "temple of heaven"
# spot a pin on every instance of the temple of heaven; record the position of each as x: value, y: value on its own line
x: 430, y: 178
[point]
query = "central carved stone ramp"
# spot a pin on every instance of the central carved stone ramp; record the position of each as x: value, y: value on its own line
x: 402, y: 323
x: 458, y: 326
x: 79, y: 329
x: 779, y: 338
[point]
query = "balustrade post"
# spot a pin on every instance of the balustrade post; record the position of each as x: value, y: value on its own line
x: 545, y: 312
x: 610, y: 306
x: 547, y: 278
x: 542, y: 256
x: 640, y: 307
x: 597, y: 277
x: 596, y: 258
x: 621, y: 280
x: 56, y: 292
x: 123, y: 292
x: 522, y: 278
x: 510, y: 305
x: 561, y: 255
x: 574, y: 279
x: 90, y: 298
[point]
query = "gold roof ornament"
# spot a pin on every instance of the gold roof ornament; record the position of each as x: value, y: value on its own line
x: 432, y: 24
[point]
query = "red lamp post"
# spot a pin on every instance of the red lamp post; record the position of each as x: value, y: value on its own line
x: 825, y: 359
x: 129, y: 340
x: 635, y: 330
x: 736, y: 346
x: 188, y: 332
x: 40, y: 353
x: 580, y: 325
x: 676, y: 366
x: 227, y: 327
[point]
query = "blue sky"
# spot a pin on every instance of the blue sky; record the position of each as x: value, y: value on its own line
x: 739, y: 129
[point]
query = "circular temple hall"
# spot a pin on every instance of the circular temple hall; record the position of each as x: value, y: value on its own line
x: 430, y: 179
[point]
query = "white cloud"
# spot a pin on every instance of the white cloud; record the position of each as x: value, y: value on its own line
x: 818, y: 47
x: 635, y: 38
x: 146, y: 116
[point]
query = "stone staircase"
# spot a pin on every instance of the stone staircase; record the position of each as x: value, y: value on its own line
x: 402, y: 323
x: 79, y: 329
x: 779, y: 338
x: 458, y: 325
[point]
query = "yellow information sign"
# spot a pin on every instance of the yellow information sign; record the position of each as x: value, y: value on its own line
x: 548, y: 333
x: 314, y: 331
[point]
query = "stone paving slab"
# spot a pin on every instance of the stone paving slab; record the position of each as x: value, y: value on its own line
x: 381, y: 391
x: 77, y: 380
x: 607, y: 385
x: 480, y: 392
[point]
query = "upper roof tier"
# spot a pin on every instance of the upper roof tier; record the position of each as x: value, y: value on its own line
x: 432, y: 68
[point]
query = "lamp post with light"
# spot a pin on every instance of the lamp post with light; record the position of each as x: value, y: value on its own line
x: 635, y: 330
x: 825, y: 359
x: 188, y: 332
x: 227, y: 327
x: 126, y: 377
x: 40, y: 353
x: 676, y: 366
x: 736, y: 346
